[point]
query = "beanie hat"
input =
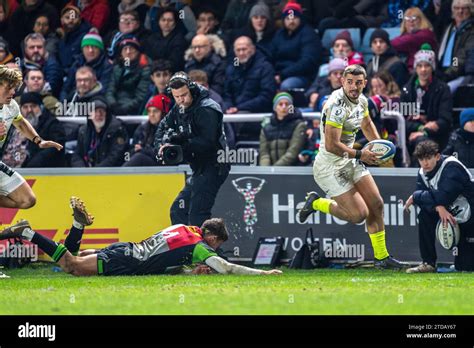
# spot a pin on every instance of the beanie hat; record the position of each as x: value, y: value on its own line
x: 99, y: 102
x: 92, y: 38
x: 466, y: 116
x: 281, y: 96
x: 70, y: 7
x: 260, y: 9
x: 292, y: 7
x: 130, y: 41
x: 344, y: 35
x: 380, y: 34
x: 336, y: 64
x: 161, y: 102
x: 425, y: 54
x: 31, y: 97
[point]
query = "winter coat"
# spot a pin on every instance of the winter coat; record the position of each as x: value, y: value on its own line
x: 389, y: 61
x: 464, y: 41
x: 102, y: 67
x: 113, y: 40
x: 144, y: 135
x: 48, y: 128
x: 186, y: 24
x: 296, y: 54
x: 250, y: 86
x: 129, y: 86
x: 113, y: 142
x: 22, y: 21
x: 264, y: 44
x: 171, y: 47
x: 410, y: 43
x: 70, y: 45
x: 282, y: 140
x: 214, y: 65
x: 96, y: 13
x: 461, y: 145
x: 437, y: 105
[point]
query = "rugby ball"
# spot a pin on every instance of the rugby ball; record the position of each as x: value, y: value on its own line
x: 384, y: 149
x: 447, y: 236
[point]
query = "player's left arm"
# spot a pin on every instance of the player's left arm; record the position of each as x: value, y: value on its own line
x: 368, y: 127
x: 28, y: 131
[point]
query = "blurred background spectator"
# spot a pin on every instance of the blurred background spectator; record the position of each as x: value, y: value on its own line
x: 283, y: 137
x: 34, y: 81
x: 101, y: 142
x: 95, y: 12
x: 142, y: 151
x: 20, y: 152
x: 461, y: 142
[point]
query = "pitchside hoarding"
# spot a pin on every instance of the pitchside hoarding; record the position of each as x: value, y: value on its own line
x: 263, y: 202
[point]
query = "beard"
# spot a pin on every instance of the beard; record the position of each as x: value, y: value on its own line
x: 99, y: 124
x: 32, y: 118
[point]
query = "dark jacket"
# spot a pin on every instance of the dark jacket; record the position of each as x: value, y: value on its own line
x: 114, y: 38
x: 452, y: 181
x: 250, y: 86
x: 171, y: 47
x: 22, y: 21
x: 75, y: 98
x: 112, y: 144
x: 389, y: 61
x: 296, y: 54
x: 464, y: 41
x: 70, y: 45
x: 129, y: 86
x: 199, y: 128
x: 53, y: 73
x: 144, y: 135
x: 101, y: 66
x: 265, y: 43
x: 437, y: 105
x: 48, y: 128
x: 461, y: 145
x: 214, y: 65
x: 282, y: 141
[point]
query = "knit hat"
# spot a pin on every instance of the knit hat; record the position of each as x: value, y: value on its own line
x: 161, y: 102
x: 130, y: 41
x: 281, y: 96
x: 292, y: 7
x: 425, y: 54
x: 344, y: 35
x: 466, y: 116
x: 260, y: 9
x: 380, y: 34
x: 336, y: 64
x: 99, y: 102
x: 92, y: 38
x: 70, y: 7
x: 31, y: 97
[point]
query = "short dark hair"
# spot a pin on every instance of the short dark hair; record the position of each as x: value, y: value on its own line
x: 216, y: 227
x: 132, y: 13
x: 162, y: 11
x: 161, y: 65
x: 426, y: 149
x: 354, y: 69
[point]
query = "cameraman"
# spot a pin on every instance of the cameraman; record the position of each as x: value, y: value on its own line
x: 195, y: 124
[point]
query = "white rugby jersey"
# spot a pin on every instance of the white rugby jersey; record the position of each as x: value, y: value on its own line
x: 341, y: 113
x: 8, y: 114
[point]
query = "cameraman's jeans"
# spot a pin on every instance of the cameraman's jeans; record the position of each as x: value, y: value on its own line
x: 194, y: 203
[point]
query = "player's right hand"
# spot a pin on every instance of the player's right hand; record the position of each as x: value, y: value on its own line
x: 271, y: 272
x: 368, y: 156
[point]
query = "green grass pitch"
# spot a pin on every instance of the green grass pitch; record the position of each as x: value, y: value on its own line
x: 39, y: 290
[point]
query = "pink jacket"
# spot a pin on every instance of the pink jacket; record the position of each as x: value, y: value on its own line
x: 410, y: 43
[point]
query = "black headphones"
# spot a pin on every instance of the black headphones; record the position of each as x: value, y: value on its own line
x: 181, y: 76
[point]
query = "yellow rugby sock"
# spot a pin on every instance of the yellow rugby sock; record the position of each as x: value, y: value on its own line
x: 378, y: 244
x: 322, y: 204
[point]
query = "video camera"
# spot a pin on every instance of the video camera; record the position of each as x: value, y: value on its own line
x: 172, y: 154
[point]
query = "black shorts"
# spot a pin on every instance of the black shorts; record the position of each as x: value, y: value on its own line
x: 117, y: 259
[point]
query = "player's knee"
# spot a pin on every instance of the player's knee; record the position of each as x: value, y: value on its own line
x: 28, y: 202
x: 359, y: 216
x: 376, y: 206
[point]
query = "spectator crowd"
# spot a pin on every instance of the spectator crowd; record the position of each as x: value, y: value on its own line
x: 101, y: 59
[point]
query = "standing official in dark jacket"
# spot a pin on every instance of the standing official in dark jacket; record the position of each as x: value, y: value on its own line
x: 444, y: 191
x: 102, y: 142
x: 195, y: 123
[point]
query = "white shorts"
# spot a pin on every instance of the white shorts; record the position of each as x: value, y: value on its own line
x: 10, y: 180
x: 334, y: 179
